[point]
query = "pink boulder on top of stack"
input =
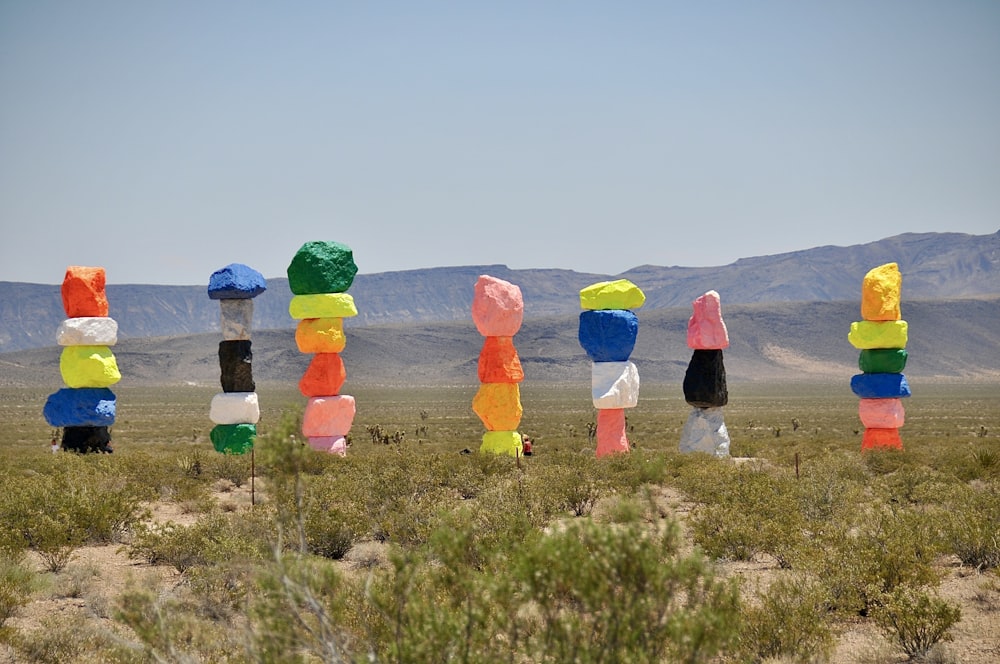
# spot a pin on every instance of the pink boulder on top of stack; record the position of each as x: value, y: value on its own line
x: 705, y: 380
x: 497, y: 310
x: 319, y: 276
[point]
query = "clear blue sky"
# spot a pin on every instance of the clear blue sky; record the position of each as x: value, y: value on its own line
x: 164, y: 140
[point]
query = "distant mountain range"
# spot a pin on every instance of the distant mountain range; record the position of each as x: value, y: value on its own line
x: 934, y: 266
x: 788, y: 317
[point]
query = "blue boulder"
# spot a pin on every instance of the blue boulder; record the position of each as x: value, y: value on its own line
x: 608, y: 335
x: 236, y: 282
x: 880, y: 386
x: 80, y: 407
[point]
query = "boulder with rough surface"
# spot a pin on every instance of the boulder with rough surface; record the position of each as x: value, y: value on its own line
x: 874, y: 439
x: 88, y: 331
x: 499, y: 362
x: 88, y: 366
x: 614, y: 385
x: 83, y: 292
x: 880, y: 293
x: 233, y: 438
x: 705, y: 431
x: 881, y: 413
x: 498, y: 405
x: 497, y: 307
x: 618, y: 294
x: 235, y: 361
x: 321, y: 267
x: 234, y: 408
x: 236, y: 282
x: 705, y: 380
x: 502, y: 442
x: 611, y: 434
x: 328, y: 416
x: 236, y: 318
x: 706, y: 329
x: 608, y: 335
x: 880, y: 386
x: 324, y: 376
x: 320, y: 335
x: 76, y: 407
x: 322, y: 305
x: 867, y: 334
x: 882, y: 360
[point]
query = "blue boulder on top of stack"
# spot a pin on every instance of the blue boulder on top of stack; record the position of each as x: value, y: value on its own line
x: 235, y: 411
x: 86, y: 407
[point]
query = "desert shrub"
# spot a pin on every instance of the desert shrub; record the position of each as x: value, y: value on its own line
x: 584, y: 593
x: 59, y: 642
x: 16, y: 582
x: 971, y: 530
x: 215, y: 539
x: 788, y: 619
x: 886, y: 547
x: 232, y: 467
x: 568, y: 488
x: 759, y: 513
x: 915, y: 485
x: 916, y: 620
x: 885, y: 461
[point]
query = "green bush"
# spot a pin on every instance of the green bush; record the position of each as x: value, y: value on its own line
x: 916, y: 620
x: 971, y: 530
x: 786, y: 620
x: 15, y: 587
x: 215, y: 539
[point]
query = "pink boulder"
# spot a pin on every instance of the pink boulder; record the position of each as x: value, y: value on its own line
x: 328, y: 416
x: 706, y: 329
x: 331, y: 444
x: 611, y: 432
x: 497, y: 307
x: 881, y: 413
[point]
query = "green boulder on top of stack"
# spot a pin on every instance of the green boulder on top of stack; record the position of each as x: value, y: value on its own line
x: 322, y: 267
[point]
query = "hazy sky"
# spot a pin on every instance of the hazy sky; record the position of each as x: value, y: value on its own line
x: 164, y: 140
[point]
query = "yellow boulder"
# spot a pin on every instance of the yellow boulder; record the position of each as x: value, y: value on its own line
x: 320, y: 335
x: 498, y: 405
x: 869, y: 334
x: 620, y: 294
x: 88, y: 366
x: 880, y: 293
x: 501, y: 442
x: 322, y: 305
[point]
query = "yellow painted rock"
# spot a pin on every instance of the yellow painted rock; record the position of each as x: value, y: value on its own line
x: 501, y: 442
x: 880, y: 293
x: 320, y: 335
x: 498, y: 405
x: 322, y: 305
x: 88, y: 366
x: 620, y: 294
x: 868, y: 334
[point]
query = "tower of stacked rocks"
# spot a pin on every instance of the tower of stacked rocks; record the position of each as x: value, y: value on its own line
x: 85, y: 408
x: 705, y: 380
x: 319, y: 275
x: 498, y: 310
x: 608, y: 330
x: 235, y: 411
x: 881, y: 337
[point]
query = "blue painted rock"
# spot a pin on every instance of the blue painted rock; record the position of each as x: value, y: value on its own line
x: 233, y: 438
x: 880, y: 386
x: 94, y: 406
x: 236, y: 282
x: 608, y: 335
x: 321, y: 267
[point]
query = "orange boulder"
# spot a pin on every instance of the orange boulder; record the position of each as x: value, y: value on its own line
x: 83, y: 292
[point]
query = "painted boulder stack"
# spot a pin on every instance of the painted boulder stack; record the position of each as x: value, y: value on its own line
x: 319, y: 275
x: 86, y: 407
x: 881, y: 337
x: 705, y: 380
x: 498, y: 310
x: 235, y: 411
x: 608, y: 331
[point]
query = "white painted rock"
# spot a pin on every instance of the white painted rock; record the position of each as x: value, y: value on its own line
x: 234, y: 408
x: 614, y: 384
x: 88, y: 331
x: 705, y: 431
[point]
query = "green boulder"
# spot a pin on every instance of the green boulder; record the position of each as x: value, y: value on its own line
x: 882, y: 360
x: 322, y: 267
x: 233, y: 438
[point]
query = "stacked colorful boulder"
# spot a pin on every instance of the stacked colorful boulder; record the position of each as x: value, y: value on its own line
x: 86, y: 407
x: 608, y: 330
x: 498, y: 310
x: 881, y: 337
x: 319, y: 275
x: 705, y: 380
x: 235, y: 411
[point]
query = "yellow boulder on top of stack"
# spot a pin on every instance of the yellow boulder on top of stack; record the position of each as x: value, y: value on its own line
x: 880, y: 292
